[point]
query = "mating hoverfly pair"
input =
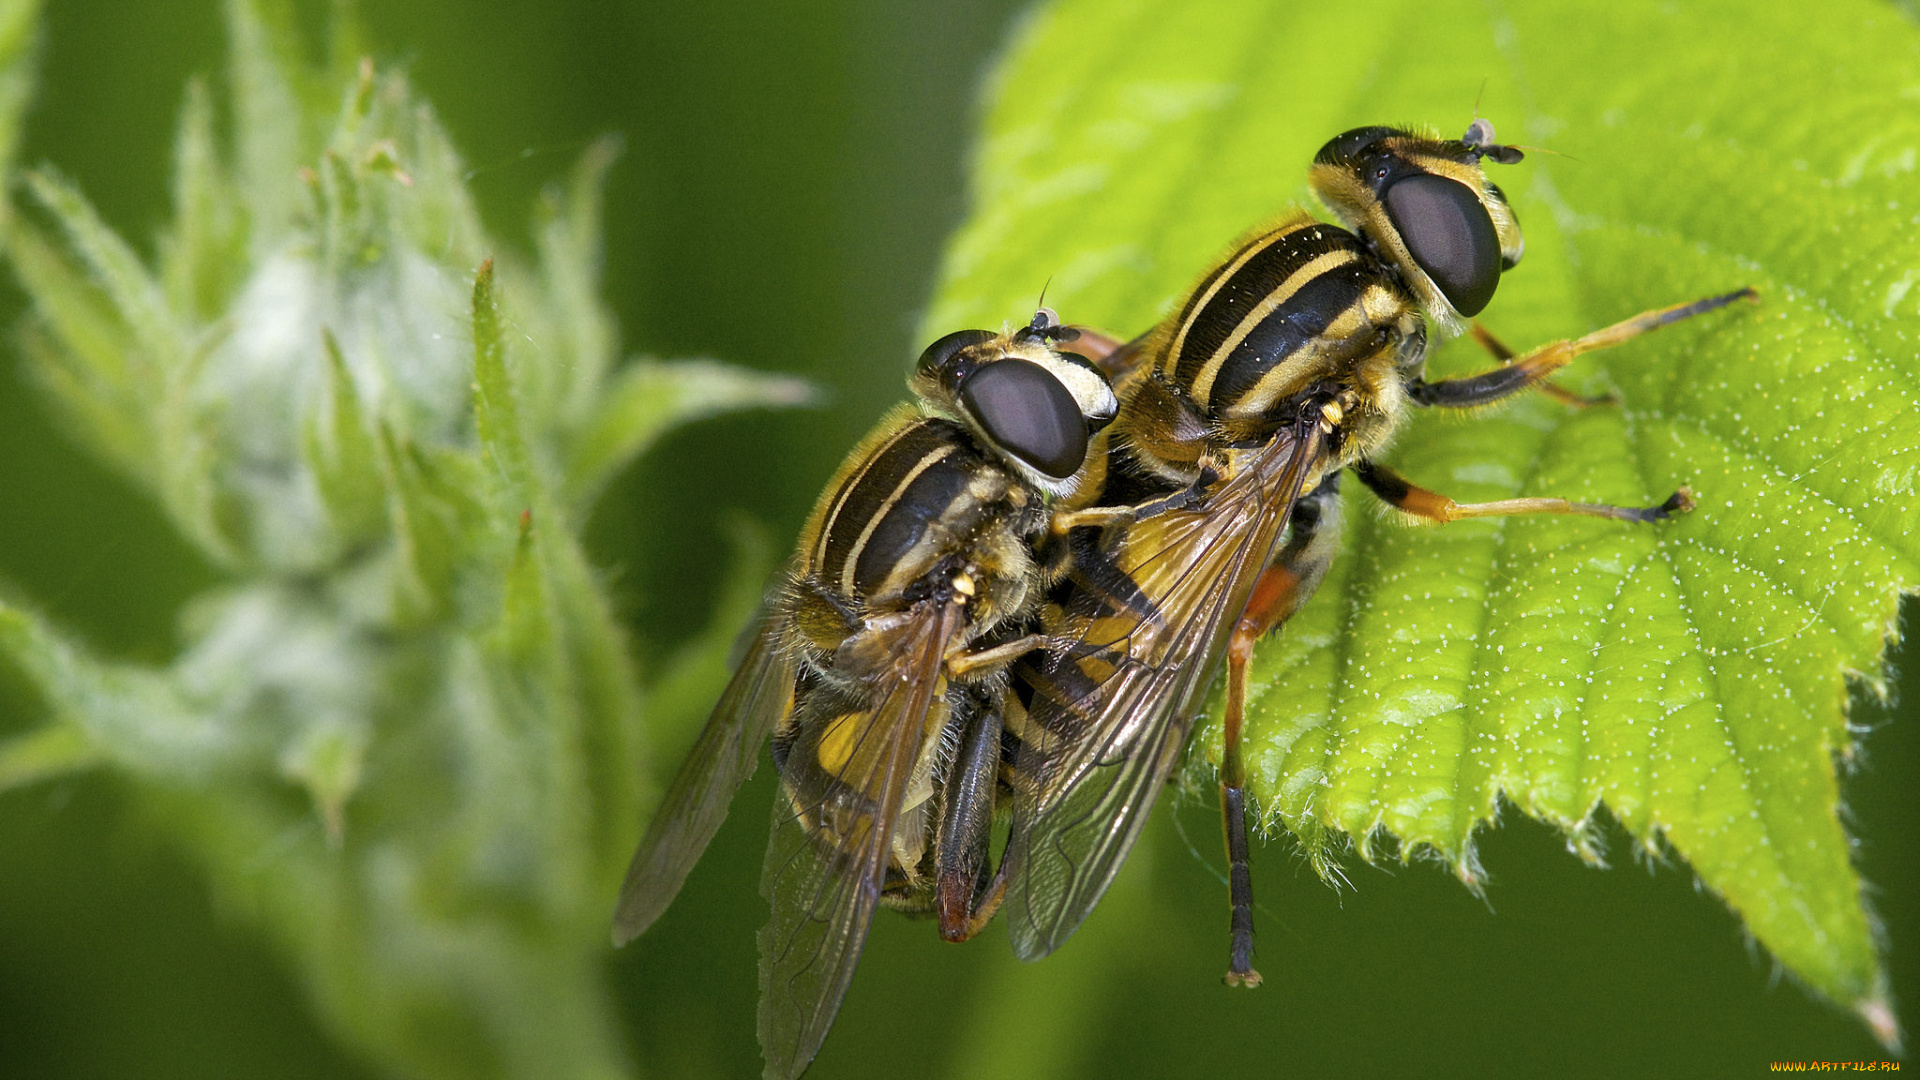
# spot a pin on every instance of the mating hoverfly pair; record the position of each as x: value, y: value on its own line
x: 1011, y: 602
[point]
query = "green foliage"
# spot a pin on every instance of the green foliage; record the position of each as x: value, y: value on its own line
x: 18, y: 21
x: 1691, y: 679
x: 403, y: 736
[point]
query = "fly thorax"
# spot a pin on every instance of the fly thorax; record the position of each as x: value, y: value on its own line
x: 1004, y: 580
x: 1369, y: 427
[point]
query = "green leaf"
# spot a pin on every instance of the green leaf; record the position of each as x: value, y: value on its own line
x: 268, y: 123
x: 327, y: 760
x: 605, y: 709
x: 45, y: 753
x: 138, y: 719
x: 200, y: 256
x: 343, y: 454
x: 585, y: 342
x: 19, y: 33
x: 525, y: 618
x: 495, y: 401
x: 1691, y: 679
x: 140, y: 369
x: 647, y: 398
x: 87, y: 374
x: 114, y: 267
x: 402, y: 736
x: 425, y: 526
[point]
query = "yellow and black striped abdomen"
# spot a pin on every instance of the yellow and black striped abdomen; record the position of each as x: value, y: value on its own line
x: 914, y: 497
x: 1270, y: 319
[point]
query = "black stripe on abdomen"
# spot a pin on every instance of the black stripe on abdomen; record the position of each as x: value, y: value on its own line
x: 884, y: 513
x: 1284, y: 253
x: 1301, y: 319
x: 928, y: 498
x: 859, y: 516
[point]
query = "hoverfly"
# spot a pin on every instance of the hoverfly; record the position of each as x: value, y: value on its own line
x: 880, y: 672
x: 1294, y: 358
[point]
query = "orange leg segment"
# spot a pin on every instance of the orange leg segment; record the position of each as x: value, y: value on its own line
x: 1296, y: 572
x: 1527, y: 371
x: 1485, y: 339
x: 1275, y: 596
x: 1402, y: 494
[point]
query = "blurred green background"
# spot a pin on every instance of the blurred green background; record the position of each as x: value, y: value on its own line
x: 791, y: 172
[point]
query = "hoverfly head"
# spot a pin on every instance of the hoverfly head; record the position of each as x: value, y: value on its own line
x: 1033, y: 405
x: 1426, y: 205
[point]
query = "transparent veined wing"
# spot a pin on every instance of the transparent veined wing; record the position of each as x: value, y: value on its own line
x: 696, y: 802
x: 833, y: 826
x: 1116, y: 694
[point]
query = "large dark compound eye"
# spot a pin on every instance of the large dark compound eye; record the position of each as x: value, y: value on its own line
x: 1450, y: 235
x: 941, y: 353
x: 1026, y: 411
